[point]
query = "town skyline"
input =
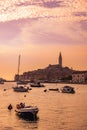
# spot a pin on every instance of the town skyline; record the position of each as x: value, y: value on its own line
x: 38, y: 31
x: 59, y: 63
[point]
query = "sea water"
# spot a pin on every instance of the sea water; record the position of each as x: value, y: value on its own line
x: 57, y: 111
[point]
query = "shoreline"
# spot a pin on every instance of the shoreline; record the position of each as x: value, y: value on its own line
x: 53, y: 82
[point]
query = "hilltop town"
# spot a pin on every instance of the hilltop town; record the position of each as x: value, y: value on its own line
x: 54, y: 73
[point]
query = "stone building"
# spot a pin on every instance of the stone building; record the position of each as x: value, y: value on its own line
x: 79, y: 77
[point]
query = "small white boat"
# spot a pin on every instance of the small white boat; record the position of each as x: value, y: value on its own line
x: 67, y: 89
x: 29, y: 112
x: 37, y: 84
x: 21, y: 89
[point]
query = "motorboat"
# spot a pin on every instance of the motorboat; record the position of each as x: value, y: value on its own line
x: 37, y: 84
x: 28, y: 112
x: 67, y: 89
x: 21, y: 89
x: 53, y: 89
x: 22, y: 82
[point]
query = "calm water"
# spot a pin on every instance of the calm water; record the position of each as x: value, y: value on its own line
x: 57, y: 111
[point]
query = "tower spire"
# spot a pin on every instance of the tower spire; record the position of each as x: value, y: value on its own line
x: 60, y: 59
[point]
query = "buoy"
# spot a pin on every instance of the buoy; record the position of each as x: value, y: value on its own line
x: 45, y: 90
x: 10, y: 107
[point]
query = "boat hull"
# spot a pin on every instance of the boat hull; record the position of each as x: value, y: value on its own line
x: 53, y: 89
x: 27, y: 115
x: 28, y: 112
x: 18, y: 89
x: 64, y: 91
x: 37, y: 85
x: 68, y: 89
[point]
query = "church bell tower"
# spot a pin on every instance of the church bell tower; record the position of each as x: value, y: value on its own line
x: 60, y: 59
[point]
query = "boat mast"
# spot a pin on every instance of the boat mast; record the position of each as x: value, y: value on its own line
x: 19, y: 65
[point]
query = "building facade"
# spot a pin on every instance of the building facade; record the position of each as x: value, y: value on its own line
x: 79, y: 77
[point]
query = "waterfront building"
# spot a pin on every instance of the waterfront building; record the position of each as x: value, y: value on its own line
x: 79, y: 77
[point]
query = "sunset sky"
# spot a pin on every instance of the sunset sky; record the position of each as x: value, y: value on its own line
x: 38, y: 30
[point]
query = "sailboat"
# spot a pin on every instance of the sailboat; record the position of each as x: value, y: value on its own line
x: 20, y: 87
x: 25, y: 112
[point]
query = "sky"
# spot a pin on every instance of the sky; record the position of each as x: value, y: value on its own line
x: 39, y: 30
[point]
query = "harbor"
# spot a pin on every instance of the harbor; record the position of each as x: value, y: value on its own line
x: 56, y: 110
x: 43, y: 65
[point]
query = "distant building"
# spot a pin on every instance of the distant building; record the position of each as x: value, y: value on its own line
x: 79, y: 77
x: 52, y: 73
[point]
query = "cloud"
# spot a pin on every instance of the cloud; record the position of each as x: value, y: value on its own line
x: 52, y: 4
x: 83, y: 25
x: 8, y: 31
x: 43, y: 31
x: 80, y: 14
x: 30, y: 23
x: 19, y: 9
x: 48, y: 31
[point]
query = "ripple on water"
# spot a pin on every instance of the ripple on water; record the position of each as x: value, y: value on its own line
x: 6, y: 128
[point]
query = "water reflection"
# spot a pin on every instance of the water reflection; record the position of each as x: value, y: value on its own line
x: 56, y: 110
x: 25, y: 125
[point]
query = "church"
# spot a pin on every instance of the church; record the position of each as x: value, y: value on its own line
x: 51, y: 73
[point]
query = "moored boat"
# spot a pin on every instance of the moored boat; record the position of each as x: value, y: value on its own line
x: 37, y: 84
x: 20, y: 82
x: 53, y: 89
x: 21, y: 89
x: 67, y: 89
x: 29, y: 112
